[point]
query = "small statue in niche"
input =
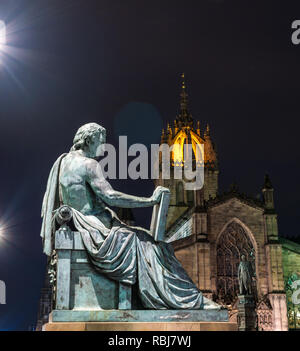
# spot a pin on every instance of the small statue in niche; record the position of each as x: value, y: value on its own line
x: 245, y: 274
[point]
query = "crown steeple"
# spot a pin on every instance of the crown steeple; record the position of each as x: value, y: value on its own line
x: 183, y: 132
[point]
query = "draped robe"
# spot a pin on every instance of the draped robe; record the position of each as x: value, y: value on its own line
x: 125, y: 254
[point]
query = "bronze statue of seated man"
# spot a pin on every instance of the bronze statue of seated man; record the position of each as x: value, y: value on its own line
x: 123, y: 253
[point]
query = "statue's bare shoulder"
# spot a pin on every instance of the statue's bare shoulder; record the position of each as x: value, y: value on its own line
x: 79, y: 165
x: 92, y: 168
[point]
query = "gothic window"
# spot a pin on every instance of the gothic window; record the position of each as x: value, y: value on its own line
x: 179, y: 194
x: 232, y: 244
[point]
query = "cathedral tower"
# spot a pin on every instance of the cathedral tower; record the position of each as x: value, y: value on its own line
x: 273, y: 248
x: 183, y: 131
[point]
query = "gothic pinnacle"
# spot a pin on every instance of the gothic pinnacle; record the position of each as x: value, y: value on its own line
x: 184, y: 116
x: 198, y: 128
x: 267, y: 182
x: 183, y: 101
x: 207, y: 131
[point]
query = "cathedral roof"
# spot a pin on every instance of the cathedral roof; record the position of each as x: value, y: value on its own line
x: 179, y: 222
x: 235, y: 193
x: 290, y: 245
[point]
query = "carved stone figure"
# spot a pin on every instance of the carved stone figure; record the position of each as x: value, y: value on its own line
x: 126, y: 254
x: 245, y: 274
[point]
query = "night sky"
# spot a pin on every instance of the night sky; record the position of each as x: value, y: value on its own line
x: 118, y: 63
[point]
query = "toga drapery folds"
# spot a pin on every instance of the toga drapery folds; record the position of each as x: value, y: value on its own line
x: 125, y: 254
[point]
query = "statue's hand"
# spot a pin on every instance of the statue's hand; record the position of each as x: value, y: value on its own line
x: 158, y: 192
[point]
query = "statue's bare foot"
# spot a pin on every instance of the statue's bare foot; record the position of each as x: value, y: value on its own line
x: 210, y: 305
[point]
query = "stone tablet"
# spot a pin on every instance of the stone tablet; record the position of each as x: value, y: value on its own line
x: 159, y: 218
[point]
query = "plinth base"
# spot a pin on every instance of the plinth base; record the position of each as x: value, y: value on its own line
x: 139, y: 320
x: 140, y: 326
x: 151, y: 316
x: 246, y: 313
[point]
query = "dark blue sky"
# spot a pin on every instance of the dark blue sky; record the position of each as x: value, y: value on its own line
x: 117, y: 63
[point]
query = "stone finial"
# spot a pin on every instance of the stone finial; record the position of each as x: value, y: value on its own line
x: 207, y: 131
x: 198, y: 128
x: 185, y: 119
x: 268, y: 191
x: 234, y: 188
x: 267, y: 182
x: 162, y: 140
x: 175, y: 127
x: 210, y: 155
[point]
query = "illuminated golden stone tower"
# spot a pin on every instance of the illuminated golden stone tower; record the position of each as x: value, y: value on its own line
x: 183, y: 132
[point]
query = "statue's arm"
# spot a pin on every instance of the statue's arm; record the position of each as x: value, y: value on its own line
x: 111, y: 197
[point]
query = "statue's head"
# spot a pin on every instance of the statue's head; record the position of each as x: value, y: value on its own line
x: 89, y: 138
x: 243, y: 258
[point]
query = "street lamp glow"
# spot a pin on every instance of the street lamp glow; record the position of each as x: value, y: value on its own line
x: 2, y: 33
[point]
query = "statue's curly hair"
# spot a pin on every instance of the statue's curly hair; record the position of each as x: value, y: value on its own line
x: 84, y: 132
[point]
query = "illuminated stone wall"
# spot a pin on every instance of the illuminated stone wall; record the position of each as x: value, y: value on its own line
x: 199, y: 256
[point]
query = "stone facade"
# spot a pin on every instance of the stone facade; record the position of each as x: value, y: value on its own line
x: 242, y: 226
x: 199, y: 253
x: 210, y: 233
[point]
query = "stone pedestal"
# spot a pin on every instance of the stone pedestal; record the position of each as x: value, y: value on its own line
x: 140, y: 320
x: 141, y: 326
x: 246, y: 313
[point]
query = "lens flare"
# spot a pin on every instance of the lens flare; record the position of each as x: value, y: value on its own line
x: 2, y: 34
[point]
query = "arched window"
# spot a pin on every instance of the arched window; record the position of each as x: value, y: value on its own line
x: 179, y: 194
x: 232, y: 244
